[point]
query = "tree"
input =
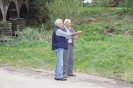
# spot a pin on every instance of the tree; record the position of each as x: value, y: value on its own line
x: 63, y: 9
x: 38, y: 10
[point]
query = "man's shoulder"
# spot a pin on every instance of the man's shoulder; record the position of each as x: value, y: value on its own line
x: 64, y: 28
x: 56, y: 28
x: 71, y: 29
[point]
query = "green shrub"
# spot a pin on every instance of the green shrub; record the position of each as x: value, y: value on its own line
x: 63, y: 9
x: 34, y: 33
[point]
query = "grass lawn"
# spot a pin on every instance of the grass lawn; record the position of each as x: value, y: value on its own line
x: 107, y: 54
x: 101, y: 54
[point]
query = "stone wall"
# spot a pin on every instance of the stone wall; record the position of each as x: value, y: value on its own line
x: 6, y: 29
x: 10, y: 8
x: 12, y: 15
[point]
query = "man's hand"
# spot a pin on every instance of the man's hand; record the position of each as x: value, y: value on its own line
x: 74, y: 37
x: 76, y: 33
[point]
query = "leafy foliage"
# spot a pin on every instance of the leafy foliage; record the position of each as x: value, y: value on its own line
x: 102, y: 3
x: 63, y: 9
x: 128, y: 4
x: 33, y: 34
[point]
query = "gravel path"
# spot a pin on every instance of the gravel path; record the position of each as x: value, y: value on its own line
x: 18, y: 77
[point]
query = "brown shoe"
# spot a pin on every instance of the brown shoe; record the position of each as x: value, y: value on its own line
x: 71, y: 74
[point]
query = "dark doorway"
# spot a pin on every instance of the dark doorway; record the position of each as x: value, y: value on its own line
x: 1, y: 16
x: 12, y: 12
x: 23, y: 11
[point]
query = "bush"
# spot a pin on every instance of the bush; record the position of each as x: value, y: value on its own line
x: 128, y: 4
x: 102, y: 3
x: 30, y: 34
x: 63, y: 9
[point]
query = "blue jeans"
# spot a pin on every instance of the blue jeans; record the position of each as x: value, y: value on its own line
x: 59, y: 63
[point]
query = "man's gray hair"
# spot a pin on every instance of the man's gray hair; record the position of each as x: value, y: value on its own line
x: 57, y: 21
x: 66, y: 20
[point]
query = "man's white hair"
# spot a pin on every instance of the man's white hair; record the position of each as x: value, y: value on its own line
x: 66, y: 20
x: 58, y: 21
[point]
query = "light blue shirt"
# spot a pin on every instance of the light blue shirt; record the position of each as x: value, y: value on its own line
x: 64, y: 34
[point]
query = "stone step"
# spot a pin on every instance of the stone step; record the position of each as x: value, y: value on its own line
x: 19, y: 33
x: 5, y: 39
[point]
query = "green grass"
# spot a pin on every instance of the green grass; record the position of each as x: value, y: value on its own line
x: 94, y: 52
x: 111, y: 56
x: 32, y: 54
x: 101, y: 54
x: 97, y: 53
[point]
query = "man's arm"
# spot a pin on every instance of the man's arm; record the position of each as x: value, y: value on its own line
x: 64, y: 34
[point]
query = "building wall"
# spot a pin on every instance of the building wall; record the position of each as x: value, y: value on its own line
x: 7, y: 8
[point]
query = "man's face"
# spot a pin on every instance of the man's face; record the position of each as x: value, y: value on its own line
x: 68, y: 24
x: 60, y: 24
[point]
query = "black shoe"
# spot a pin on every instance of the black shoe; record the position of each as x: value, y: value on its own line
x: 71, y: 74
x: 61, y: 79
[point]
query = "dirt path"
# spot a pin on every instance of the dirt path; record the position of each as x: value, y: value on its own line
x: 16, y: 77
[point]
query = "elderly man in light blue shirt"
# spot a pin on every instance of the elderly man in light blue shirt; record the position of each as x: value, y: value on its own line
x: 68, y: 54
